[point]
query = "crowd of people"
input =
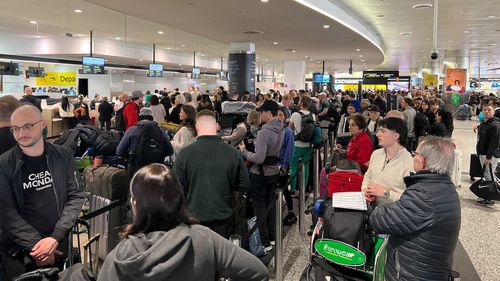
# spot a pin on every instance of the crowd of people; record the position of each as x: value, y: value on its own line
x: 185, y: 214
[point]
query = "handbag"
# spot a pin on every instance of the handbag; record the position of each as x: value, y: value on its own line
x: 487, y: 189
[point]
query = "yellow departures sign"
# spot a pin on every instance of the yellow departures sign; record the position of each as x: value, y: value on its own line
x: 57, y: 79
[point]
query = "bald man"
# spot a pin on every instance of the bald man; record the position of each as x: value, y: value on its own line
x: 210, y: 170
x: 395, y: 113
x: 39, y: 194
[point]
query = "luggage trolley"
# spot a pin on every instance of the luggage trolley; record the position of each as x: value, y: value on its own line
x: 341, y: 255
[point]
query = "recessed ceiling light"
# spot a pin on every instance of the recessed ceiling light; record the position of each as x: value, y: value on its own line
x: 466, y: 31
x: 306, y: 57
x: 160, y: 32
x: 360, y: 56
x: 168, y: 48
x: 491, y: 17
x: 33, y: 22
x: 140, y: 59
x: 183, y: 46
x: 357, y: 50
x: 38, y: 36
x: 78, y: 11
x: 422, y: 6
x: 406, y: 33
x: 428, y: 39
x: 179, y: 64
x: 363, y: 60
x: 492, y: 44
x: 117, y: 38
x: 318, y: 62
x: 293, y: 51
x: 275, y: 43
x: 326, y: 26
x: 264, y: 1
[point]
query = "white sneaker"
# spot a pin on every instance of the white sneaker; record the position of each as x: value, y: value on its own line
x: 268, y: 248
x: 273, y: 243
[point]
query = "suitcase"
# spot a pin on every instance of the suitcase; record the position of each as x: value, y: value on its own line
x: 344, y: 181
x: 457, y: 168
x: 476, y: 168
x: 105, y: 185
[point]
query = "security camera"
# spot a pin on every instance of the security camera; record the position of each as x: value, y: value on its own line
x: 69, y: 34
x: 434, y: 54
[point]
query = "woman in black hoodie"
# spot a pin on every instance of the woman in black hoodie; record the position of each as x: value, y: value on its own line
x: 164, y: 242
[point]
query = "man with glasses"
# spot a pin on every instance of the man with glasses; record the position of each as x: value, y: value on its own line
x: 40, y: 197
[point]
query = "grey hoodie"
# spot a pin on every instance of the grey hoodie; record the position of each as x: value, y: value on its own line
x: 267, y: 143
x: 188, y: 253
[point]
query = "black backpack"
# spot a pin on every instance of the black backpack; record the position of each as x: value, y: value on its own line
x: 307, y: 128
x: 119, y: 120
x: 421, y: 124
x: 151, y: 148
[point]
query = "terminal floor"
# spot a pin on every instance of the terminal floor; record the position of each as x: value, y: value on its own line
x: 477, y: 253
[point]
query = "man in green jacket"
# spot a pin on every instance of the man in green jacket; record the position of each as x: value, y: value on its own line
x: 210, y: 170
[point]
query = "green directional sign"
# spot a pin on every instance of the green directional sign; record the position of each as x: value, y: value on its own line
x: 339, y: 252
x: 455, y: 99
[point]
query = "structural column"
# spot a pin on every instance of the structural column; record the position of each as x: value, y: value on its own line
x: 241, y: 68
x: 295, y: 75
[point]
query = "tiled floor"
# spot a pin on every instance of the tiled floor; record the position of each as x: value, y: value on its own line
x: 479, y: 234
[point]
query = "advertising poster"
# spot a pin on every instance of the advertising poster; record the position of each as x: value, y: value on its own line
x: 430, y: 81
x: 455, y: 80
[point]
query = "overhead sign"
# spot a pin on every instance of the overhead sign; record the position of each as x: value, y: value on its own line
x: 57, y: 79
x: 348, y: 81
x: 339, y: 252
x: 455, y: 80
x: 378, y: 77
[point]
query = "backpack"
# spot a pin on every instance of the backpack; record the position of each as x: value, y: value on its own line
x: 348, y: 226
x: 308, y: 128
x: 119, y: 119
x: 421, y: 124
x: 150, y: 148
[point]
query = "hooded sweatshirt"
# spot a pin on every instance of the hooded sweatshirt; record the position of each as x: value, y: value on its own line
x: 188, y: 253
x: 267, y: 143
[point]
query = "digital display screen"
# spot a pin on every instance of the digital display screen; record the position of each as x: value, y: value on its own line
x: 92, y: 65
x: 322, y: 78
x: 155, y: 70
x: 196, y: 74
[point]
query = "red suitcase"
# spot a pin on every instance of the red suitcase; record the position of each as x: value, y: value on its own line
x: 342, y: 181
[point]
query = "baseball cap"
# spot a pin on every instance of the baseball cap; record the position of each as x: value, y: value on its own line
x: 137, y: 94
x: 145, y: 111
x: 268, y: 105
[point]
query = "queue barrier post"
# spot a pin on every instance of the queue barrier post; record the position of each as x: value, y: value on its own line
x: 278, y: 259
x: 316, y: 160
x: 302, y: 191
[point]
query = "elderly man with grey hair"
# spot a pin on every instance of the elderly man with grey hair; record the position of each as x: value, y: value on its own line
x: 424, y: 223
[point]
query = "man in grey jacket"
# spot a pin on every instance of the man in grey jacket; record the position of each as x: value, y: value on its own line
x: 39, y: 194
x: 425, y: 222
x: 265, y: 169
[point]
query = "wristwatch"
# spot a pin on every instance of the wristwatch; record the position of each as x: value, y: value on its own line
x: 387, y: 194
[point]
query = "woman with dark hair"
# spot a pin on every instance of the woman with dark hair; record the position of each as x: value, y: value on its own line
x: 383, y: 182
x: 360, y: 146
x: 426, y: 109
x: 164, y: 242
x: 187, y: 133
x: 444, y: 124
x: 239, y: 131
x: 158, y: 109
x: 218, y: 104
x: 66, y: 112
x: 205, y: 103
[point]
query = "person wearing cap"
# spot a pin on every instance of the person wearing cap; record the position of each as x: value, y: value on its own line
x: 132, y: 108
x: 130, y: 141
x: 265, y: 169
x: 82, y: 112
x: 374, y: 118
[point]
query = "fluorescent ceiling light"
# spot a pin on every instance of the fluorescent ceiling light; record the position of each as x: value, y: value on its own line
x: 160, y: 32
x: 117, y: 38
x: 183, y: 46
x: 492, y: 44
x: 275, y: 43
x: 357, y: 50
x: 491, y: 17
x: 33, y: 22
x: 293, y: 51
x: 466, y: 31
x: 78, y: 11
x: 422, y: 6
x: 326, y: 26
x: 406, y: 33
x: 264, y: 1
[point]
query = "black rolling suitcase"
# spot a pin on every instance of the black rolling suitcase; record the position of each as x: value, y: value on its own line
x: 476, y: 168
x: 107, y: 185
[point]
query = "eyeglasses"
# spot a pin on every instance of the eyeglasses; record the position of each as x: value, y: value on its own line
x: 25, y: 127
x: 414, y: 153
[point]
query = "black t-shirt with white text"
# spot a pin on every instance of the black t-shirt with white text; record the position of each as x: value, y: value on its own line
x: 40, y: 205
